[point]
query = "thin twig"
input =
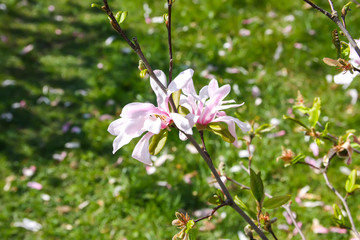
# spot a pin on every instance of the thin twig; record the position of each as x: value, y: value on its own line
x: 168, y: 26
x: 225, y: 203
x: 332, y: 6
x: 334, y: 17
x: 353, y: 228
x: 242, y: 186
x: 309, y: 164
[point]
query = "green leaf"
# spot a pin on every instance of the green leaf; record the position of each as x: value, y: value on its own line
x: 120, y: 16
x: 302, y: 109
x: 314, y: 112
x: 158, y: 142
x: 339, y: 218
x: 350, y: 185
x: 176, y: 98
x: 257, y: 187
x: 221, y: 129
x: 143, y: 73
x: 189, y: 225
x: 296, y: 121
x: 345, y: 50
x: 264, y: 128
x: 276, y: 201
x: 243, y: 206
x: 298, y: 158
x: 326, y: 130
x: 216, y: 199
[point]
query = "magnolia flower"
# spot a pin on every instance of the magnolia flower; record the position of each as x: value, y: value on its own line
x: 138, y: 118
x: 208, y: 106
x: 345, y: 78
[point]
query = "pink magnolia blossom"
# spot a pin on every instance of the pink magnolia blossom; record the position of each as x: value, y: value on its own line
x: 137, y: 118
x: 208, y: 106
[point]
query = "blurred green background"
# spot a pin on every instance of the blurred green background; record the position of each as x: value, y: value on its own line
x: 65, y: 75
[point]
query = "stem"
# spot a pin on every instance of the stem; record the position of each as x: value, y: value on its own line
x: 331, y: 6
x: 334, y: 17
x: 225, y: 203
x: 288, y: 210
x: 210, y: 164
x: 309, y: 164
x: 168, y: 26
x: 242, y: 186
x: 353, y: 228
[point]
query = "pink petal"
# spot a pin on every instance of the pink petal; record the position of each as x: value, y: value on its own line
x: 183, y: 123
x: 181, y: 80
x: 34, y: 185
x: 141, y: 150
x: 137, y: 110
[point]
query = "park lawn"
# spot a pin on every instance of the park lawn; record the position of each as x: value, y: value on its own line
x: 70, y: 75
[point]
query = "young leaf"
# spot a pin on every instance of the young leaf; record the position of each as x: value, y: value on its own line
x: 120, y: 16
x: 243, y: 206
x: 298, y: 158
x: 339, y: 218
x: 276, y: 201
x: 314, y: 112
x: 350, y: 185
x: 158, y: 142
x: 221, y: 129
x: 345, y: 50
x: 264, y: 128
x: 257, y: 187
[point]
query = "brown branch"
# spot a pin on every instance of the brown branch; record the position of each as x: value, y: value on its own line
x: 168, y: 26
x: 334, y: 17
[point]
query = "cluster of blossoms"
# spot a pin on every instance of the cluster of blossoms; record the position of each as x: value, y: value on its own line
x: 204, y: 108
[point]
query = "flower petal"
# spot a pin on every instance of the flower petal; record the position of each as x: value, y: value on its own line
x: 136, y: 110
x: 141, y: 150
x: 183, y: 123
x: 160, y: 94
x: 181, y: 80
x: 231, y: 121
x: 152, y: 124
x: 345, y: 78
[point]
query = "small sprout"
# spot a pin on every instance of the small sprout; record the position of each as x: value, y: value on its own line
x: 95, y: 5
x: 141, y: 65
x: 120, y: 16
x: 143, y: 73
x: 166, y: 18
x: 345, y: 9
x: 184, y: 223
x: 249, y: 232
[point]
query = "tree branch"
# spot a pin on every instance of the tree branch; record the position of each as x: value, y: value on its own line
x: 334, y: 17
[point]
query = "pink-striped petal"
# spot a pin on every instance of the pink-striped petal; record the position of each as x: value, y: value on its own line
x: 182, y: 123
x: 137, y: 110
x: 160, y: 94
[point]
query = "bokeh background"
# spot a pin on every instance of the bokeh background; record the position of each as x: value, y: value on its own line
x: 65, y: 75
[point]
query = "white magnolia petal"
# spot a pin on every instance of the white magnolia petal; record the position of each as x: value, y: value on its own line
x: 189, y: 88
x: 182, y: 136
x: 182, y: 123
x: 345, y: 78
x: 116, y: 126
x: 204, y: 93
x: 181, y: 80
x: 141, y: 150
x: 222, y: 107
x: 123, y: 139
x: 152, y: 125
x: 228, y: 101
x: 160, y: 94
x: 136, y: 110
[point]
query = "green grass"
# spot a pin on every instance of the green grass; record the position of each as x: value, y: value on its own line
x: 68, y: 62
